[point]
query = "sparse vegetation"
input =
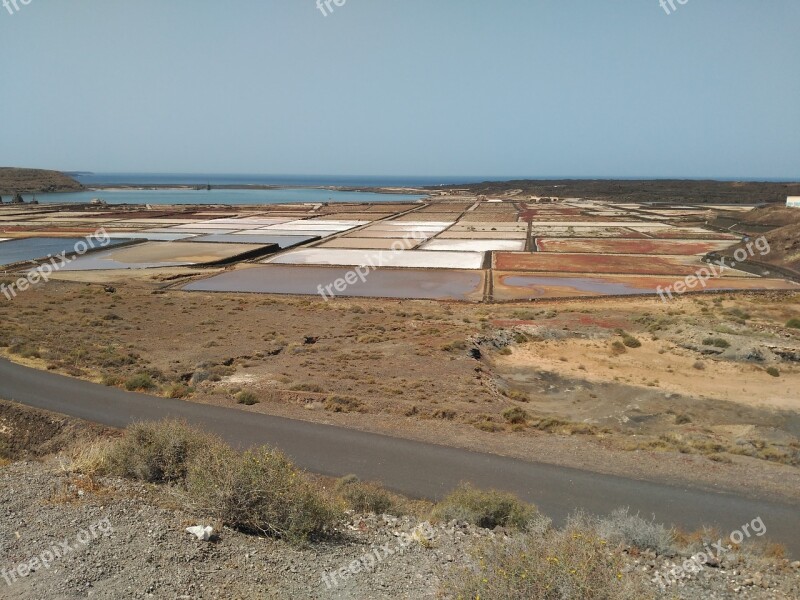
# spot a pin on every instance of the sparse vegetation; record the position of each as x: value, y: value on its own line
x: 617, y: 348
x: 178, y: 390
x: 158, y: 452
x: 630, y: 341
x: 259, y: 492
x: 141, y: 382
x: 365, y: 497
x: 515, y: 416
x: 682, y: 419
x: 621, y: 527
x: 487, y: 509
x: 717, y: 342
x: 307, y: 387
x: 247, y: 398
x: 547, y: 564
x: 343, y: 404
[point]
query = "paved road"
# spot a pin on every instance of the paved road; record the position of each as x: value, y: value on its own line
x: 413, y: 468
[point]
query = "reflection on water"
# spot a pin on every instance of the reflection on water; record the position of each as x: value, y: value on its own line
x: 381, y: 283
x: 229, y: 197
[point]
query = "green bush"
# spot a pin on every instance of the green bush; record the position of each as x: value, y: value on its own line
x: 793, y: 323
x: 774, y: 371
x: 630, y: 341
x: 260, y: 492
x: 247, y: 398
x: 717, y: 343
x: 364, y: 497
x: 617, y: 347
x: 110, y: 380
x: 515, y: 416
x: 545, y: 564
x: 140, y: 382
x: 158, y: 452
x: 487, y: 509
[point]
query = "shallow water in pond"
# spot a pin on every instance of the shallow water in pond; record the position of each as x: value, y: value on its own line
x: 380, y: 283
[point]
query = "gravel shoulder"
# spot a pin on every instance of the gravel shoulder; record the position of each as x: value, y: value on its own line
x: 143, y: 551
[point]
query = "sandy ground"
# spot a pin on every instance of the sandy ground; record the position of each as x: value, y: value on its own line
x: 663, y: 365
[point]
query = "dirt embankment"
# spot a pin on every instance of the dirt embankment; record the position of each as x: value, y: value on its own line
x: 28, y: 433
x: 28, y: 181
x: 781, y: 228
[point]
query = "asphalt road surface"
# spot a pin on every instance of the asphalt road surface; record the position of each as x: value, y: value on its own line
x: 412, y: 468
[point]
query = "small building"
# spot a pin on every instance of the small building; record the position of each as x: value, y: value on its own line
x: 793, y: 201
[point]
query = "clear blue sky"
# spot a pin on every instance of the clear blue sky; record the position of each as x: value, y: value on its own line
x: 404, y: 87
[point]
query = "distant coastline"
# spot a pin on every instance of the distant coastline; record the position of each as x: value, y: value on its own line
x: 315, y: 187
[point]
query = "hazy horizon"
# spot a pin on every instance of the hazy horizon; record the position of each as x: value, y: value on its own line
x: 414, y: 89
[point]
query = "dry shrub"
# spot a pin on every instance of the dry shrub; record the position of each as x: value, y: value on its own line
x: 247, y: 398
x: 621, y: 527
x: 260, y: 492
x: 178, y: 391
x: 79, y: 487
x: 515, y: 416
x: 617, y: 348
x: 546, y: 564
x: 344, y: 404
x: 90, y: 458
x: 630, y: 341
x: 487, y: 509
x: 158, y: 452
x: 141, y: 382
x: 365, y: 497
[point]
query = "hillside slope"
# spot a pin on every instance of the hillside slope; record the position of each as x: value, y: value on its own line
x: 13, y: 180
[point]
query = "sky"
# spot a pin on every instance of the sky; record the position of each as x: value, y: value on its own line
x: 501, y: 88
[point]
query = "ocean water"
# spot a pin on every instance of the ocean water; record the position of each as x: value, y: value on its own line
x: 295, y: 188
x: 229, y: 197
x: 293, y: 181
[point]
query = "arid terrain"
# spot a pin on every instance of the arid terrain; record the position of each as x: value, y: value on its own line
x: 550, y: 382
x: 647, y: 190
x: 104, y: 534
x: 698, y: 389
x: 20, y: 181
x: 562, y: 349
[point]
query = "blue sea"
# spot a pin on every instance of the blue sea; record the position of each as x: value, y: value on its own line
x: 290, y: 181
x: 294, y: 188
x: 231, y: 197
